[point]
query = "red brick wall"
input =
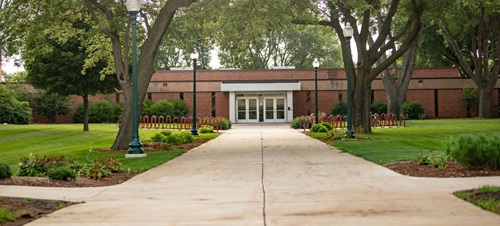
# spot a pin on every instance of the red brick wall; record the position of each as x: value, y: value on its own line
x: 222, y: 104
x: 164, y: 96
x: 450, y: 104
x: 425, y: 98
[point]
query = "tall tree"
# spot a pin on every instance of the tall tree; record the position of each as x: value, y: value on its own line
x: 155, y: 17
x: 60, y: 68
x: 470, y: 28
x: 363, y: 16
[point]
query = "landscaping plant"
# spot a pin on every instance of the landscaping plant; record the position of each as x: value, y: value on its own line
x: 476, y: 151
x: 5, y: 171
x: 61, y: 173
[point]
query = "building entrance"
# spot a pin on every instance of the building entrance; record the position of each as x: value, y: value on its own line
x: 253, y: 108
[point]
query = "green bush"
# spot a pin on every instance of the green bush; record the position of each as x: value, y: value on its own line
x: 35, y: 166
x: 99, y: 168
x: 327, y: 125
x: 118, y: 111
x: 339, y: 109
x: 206, y: 129
x: 295, y: 124
x: 226, y: 124
x: 61, y: 173
x: 101, y: 111
x: 413, y: 110
x: 173, y: 139
x: 157, y: 137
x: 477, y: 151
x: 186, y: 137
x: 378, y: 107
x: 5, y: 171
x: 432, y: 158
x: 166, y: 132
x: 6, y: 215
x: 180, y: 108
x: 162, y: 107
x: 12, y: 110
x: 319, y: 128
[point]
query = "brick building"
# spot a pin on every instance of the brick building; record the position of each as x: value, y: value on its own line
x: 246, y: 96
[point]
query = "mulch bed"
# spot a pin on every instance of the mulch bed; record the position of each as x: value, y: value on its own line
x: 453, y: 170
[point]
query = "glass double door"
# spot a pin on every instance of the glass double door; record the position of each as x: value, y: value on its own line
x: 266, y: 109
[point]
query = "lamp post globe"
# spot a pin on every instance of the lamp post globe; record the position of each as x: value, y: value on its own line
x: 316, y: 65
x: 194, y: 129
x: 135, y: 151
x: 348, y: 32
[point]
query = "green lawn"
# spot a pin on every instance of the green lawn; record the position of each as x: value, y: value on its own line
x: 17, y: 141
x: 387, y: 145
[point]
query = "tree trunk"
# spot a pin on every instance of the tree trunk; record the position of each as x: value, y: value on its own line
x: 145, y: 67
x: 124, y: 135
x: 396, y: 85
x: 85, y: 112
x: 485, y: 101
x: 362, y: 101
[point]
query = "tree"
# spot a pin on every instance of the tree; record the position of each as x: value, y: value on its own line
x: 110, y: 17
x: 470, y: 28
x: 60, y: 68
x: 370, y: 19
x: 12, y: 110
x: 51, y: 105
x: 294, y: 45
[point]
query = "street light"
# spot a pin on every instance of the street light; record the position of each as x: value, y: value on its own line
x: 316, y: 65
x: 348, y: 32
x: 194, y: 130
x: 135, y: 151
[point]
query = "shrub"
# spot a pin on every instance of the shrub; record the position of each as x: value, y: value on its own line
x: 413, y: 110
x: 295, y: 124
x: 61, y: 173
x: 5, y: 171
x: 226, y: 124
x: 166, y: 132
x: 180, y: 108
x: 206, y: 129
x: 146, y: 107
x: 475, y: 151
x: 12, y: 110
x: 35, y: 166
x: 470, y: 97
x: 162, y: 107
x: 327, y: 125
x: 157, y: 137
x: 378, y: 107
x: 174, y: 139
x: 318, y: 128
x: 118, y: 111
x: 432, y: 158
x: 99, y: 112
x: 99, y: 168
x: 186, y: 137
x: 339, y: 109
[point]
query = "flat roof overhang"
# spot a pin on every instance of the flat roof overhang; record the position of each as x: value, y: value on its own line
x: 259, y: 86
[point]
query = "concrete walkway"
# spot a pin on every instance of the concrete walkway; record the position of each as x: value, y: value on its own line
x: 267, y: 175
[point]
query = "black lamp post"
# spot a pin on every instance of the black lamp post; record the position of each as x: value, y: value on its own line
x: 135, y: 151
x: 348, y: 32
x: 194, y: 130
x: 316, y: 65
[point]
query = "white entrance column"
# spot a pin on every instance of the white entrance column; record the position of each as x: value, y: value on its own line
x: 232, y: 107
x: 289, y: 106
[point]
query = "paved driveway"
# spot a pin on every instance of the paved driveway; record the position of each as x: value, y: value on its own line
x: 267, y: 175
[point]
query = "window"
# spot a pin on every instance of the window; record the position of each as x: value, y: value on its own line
x: 213, y: 104
x: 308, y: 102
x: 340, y: 97
x: 150, y: 96
x: 181, y: 95
x: 117, y: 98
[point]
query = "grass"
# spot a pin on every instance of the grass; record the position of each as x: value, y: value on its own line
x: 486, y: 201
x: 70, y: 140
x: 385, y: 145
x: 6, y: 215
